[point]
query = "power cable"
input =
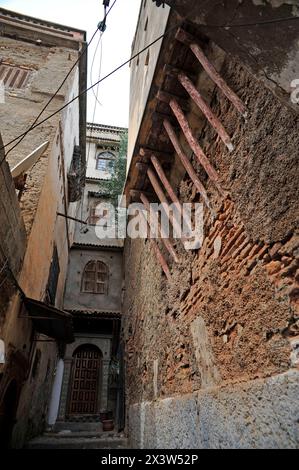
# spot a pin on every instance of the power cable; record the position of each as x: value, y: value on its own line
x: 92, y: 86
x: 106, y: 13
x: 127, y: 62
x: 94, y: 110
x: 103, y: 29
x: 92, y: 64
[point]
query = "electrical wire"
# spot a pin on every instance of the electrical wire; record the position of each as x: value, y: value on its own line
x: 51, y: 98
x: 126, y: 63
x: 106, y: 13
x: 96, y: 99
x: 92, y: 64
x: 92, y: 86
x: 95, y: 107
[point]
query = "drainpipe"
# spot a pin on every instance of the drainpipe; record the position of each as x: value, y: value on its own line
x: 55, y: 395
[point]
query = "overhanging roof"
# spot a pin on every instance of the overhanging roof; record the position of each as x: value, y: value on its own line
x: 50, y: 321
x: 100, y: 314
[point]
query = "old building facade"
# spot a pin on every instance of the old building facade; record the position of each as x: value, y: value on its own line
x: 36, y: 234
x: 182, y: 346
x: 93, y: 296
x: 212, y: 338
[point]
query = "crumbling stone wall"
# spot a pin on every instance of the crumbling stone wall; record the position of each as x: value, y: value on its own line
x: 229, y: 315
x: 48, y: 66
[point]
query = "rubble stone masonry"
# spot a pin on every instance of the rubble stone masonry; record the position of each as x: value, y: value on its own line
x: 212, y: 354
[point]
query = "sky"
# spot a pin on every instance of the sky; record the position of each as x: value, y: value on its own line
x: 112, y: 106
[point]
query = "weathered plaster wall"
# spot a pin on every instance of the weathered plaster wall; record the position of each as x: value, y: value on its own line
x: 151, y: 25
x: 45, y: 195
x: 12, y: 235
x: 49, y: 67
x: 229, y: 315
x: 77, y: 300
x: 87, y: 234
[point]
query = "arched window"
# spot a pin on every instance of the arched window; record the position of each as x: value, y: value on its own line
x: 95, y: 278
x: 105, y: 162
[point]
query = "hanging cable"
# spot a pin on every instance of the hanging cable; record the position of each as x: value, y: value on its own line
x: 126, y: 63
x: 102, y: 29
x: 99, y: 44
x: 106, y: 13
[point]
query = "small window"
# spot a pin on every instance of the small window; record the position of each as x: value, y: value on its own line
x: 146, y: 24
x: 13, y: 76
x: 105, y: 162
x: 95, y: 278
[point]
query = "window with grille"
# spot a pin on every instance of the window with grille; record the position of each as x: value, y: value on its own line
x: 95, y: 278
x: 105, y: 162
x: 13, y: 76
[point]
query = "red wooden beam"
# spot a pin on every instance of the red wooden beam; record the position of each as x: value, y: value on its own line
x: 207, y: 111
x: 165, y: 240
x: 185, y: 161
x: 158, y: 253
x: 192, y: 141
x: 163, y: 200
x: 168, y: 187
x: 165, y: 182
x: 190, y: 41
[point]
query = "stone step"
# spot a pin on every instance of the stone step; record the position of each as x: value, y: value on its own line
x: 76, y: 441
x: 74, y: 426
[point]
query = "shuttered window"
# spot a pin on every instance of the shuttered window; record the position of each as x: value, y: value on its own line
x: 95, y: 278
x: 13, y: 76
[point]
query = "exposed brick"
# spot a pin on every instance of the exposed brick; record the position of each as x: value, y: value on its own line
x: 240, y: 242
x: 290, y: 270
x: 290, y: 246
x: 274, y: 250
x: 273, y: 267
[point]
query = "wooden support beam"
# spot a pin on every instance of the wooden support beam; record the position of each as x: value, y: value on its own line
x: 206, y: 110
x: 141, y: 168
x: 168, y: 188
x: 135, y: 194
x: 190, y: 41
x: 164, y: 180
x: 175, y: 71
x: 159, y: 191
x: 157, y: 188
x: 192, y: 141
x: 147, y: 152
x: 186, y: 163
x: 160, y: 258
x: 166, y: 97
x: 165, y: 240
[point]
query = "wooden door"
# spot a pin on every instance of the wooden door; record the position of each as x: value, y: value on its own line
x: 84, y: 387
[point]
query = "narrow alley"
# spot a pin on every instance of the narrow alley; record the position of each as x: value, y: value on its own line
x: 149, y: 237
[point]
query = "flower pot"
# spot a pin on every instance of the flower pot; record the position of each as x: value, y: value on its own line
x: 108, y: 425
